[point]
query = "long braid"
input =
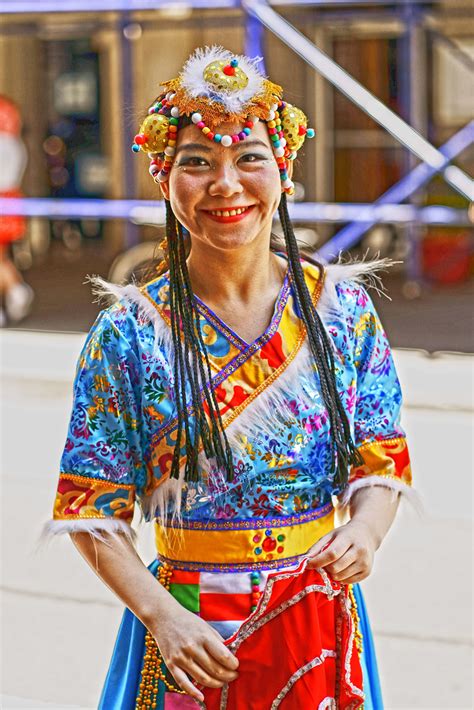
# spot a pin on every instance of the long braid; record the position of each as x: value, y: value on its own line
x: 189, y: 369
x: 344, y: 452
x: 217, y: 427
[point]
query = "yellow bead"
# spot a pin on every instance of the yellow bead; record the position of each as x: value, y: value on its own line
x: 206, y: 130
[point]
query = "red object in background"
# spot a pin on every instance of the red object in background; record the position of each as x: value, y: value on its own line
x: 11, y: 226
x: 12, y: 166
x: 297, y: 649
x: 446, y: 256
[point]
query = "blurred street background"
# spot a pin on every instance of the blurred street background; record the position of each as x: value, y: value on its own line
x: 389, y: 174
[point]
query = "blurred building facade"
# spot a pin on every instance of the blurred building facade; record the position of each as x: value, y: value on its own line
x: 83, y: 81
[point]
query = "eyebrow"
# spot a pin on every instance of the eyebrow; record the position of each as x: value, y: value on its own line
x: 255, y: 142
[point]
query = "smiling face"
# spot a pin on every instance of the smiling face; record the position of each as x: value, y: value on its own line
x: 224, y: 196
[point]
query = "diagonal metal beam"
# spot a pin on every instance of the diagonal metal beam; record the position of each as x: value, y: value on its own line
x: 359, y: 95
x: 416, y: 178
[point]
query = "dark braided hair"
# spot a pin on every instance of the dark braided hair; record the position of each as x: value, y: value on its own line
x: 192, y: 370
x: 199, y: 421
x: 343, y: 450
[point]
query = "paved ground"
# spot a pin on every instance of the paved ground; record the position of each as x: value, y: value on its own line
x: 60, y: 621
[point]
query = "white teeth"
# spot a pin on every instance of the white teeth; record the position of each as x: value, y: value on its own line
x: 228, y: 213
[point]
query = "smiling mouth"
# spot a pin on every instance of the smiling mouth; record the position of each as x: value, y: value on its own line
x: 229, y: 212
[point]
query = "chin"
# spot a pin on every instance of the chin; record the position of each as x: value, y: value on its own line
x: 229, y: 241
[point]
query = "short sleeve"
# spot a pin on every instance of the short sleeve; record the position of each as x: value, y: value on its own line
x: 102, y: 458
x: 378, y: 433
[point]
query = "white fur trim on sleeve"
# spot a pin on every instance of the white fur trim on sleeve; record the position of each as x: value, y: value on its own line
x: 147, y: 311
x: 96, y: 527
x: 398, y: 487
x: 366, y: 272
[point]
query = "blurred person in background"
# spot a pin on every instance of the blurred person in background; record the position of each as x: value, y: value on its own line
x: 16, y: 295
x: 235, y: 396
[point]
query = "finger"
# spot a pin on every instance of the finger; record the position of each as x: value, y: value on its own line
x: 343, y: 562
x: 330, y: 554
x: 197, y: 672
x: 321, y: 545
x: 346, y: 575
x: 185, y: 683
x: 213, y: 668
x: 357, y: 578
x: 221, y: 653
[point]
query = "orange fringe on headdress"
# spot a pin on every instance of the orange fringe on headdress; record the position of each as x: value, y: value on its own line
x: 212, y: 112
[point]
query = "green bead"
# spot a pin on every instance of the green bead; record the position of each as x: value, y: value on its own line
x: 280, y: 538
x: 173, y: 121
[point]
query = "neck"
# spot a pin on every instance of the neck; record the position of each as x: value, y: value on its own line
x: 234, y: 275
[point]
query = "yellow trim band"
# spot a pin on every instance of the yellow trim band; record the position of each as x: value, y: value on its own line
x: 240, y: 547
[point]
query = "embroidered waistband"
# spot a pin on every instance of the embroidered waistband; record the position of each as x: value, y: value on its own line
x: 212, y: 546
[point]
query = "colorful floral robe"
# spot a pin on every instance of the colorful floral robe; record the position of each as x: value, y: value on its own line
x: 121, y: 435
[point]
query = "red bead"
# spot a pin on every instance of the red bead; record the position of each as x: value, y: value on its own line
x: 210, y: 135
x: 255, y: 597
x: 269, y: 544
x: 280, y: 549
x: 228, y: 70
x: 235, y: 139
x: 272, y: 131
x: 301, y: 131
x: 248, y: 124
x: 255, y: 588
x: 141, y: 138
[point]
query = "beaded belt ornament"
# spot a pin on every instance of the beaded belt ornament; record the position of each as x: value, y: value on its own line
x: 217, y: 87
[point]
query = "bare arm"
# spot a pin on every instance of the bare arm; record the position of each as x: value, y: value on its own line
x: 188, y: 644
x: 347, y: 553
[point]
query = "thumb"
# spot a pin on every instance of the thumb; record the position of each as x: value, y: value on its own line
x: 321, y: 545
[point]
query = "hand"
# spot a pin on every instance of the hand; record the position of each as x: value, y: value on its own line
x: 191, y: 647
x: 346, y: 553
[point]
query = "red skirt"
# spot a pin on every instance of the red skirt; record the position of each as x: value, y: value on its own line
x: 297, y: 650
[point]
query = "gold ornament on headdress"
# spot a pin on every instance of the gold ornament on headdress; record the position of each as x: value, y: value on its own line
x: 155, y: 128
x: 294, y: 123
x: 222, y: 76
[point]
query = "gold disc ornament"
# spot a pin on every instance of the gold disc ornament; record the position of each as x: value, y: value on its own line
x: 225, y: 76
x: 154, y: 130
x: 294, y: 124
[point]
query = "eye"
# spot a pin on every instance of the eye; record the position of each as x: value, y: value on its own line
x: 193, y: 162
x: 252, y: 157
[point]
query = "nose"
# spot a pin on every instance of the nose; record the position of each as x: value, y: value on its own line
x: 225, y: 181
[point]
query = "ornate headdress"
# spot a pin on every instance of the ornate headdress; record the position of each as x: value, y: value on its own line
x: 216, y: 87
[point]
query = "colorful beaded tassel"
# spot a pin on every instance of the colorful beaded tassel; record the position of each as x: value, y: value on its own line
x: 152, y: 671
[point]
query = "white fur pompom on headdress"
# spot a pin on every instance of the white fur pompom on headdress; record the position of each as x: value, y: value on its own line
x: 194, y: 82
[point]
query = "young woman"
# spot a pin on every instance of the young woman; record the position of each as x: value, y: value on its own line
x: 235, y: 397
